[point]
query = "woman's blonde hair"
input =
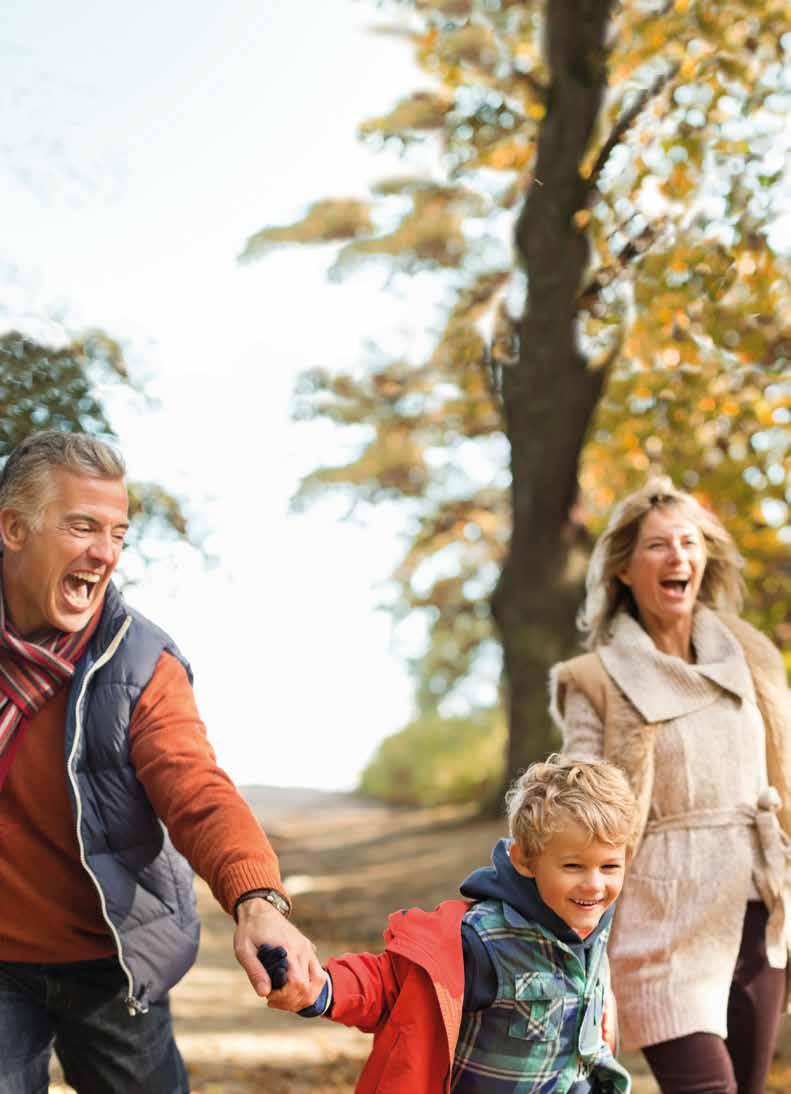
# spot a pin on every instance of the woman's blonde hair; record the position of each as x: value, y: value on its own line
x: 722, y: 586
x: 549, y: 795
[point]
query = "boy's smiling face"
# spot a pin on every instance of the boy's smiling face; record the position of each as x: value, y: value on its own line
x: 578, y: 878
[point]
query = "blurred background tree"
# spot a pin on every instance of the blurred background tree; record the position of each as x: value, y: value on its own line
x: 58, y: 387
x: 605, y: 206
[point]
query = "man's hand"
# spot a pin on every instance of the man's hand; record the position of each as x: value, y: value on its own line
x: 274, y: 960
x: 280, y: 1000
x: 258, y: 922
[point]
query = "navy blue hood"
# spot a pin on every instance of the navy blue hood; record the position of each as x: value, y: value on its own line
x: 501, y: 881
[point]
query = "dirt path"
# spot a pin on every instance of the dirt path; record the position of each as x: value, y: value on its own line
x: 348, y: 864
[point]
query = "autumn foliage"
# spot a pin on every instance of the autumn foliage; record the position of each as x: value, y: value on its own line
x: 610, y: 219
x: 63, y: 386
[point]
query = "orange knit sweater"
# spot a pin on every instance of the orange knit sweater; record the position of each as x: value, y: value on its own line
x: 49, y: 907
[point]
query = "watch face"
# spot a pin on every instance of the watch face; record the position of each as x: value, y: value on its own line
x: 277, y: 901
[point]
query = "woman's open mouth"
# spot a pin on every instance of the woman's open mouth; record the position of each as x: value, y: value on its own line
x: 79, y: 588
x: 675, y: 587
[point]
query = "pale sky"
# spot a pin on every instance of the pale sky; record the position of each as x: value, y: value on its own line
x: 140, y: 147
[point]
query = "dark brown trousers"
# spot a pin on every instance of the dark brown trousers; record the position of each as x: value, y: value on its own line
x: 702, y: 1063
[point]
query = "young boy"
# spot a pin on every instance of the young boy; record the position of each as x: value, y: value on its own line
x: 504, y: 991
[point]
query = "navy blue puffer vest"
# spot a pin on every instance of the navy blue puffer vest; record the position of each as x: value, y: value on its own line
x: 144, y: 884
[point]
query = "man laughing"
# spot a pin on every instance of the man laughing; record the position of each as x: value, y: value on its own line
x: 107, y: 785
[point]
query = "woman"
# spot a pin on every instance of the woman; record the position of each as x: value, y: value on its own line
x: 692, y: 702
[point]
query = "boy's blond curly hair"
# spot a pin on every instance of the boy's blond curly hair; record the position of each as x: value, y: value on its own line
x: 591, y: 793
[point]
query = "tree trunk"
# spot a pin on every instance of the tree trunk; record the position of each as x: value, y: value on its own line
x: 549, y: 394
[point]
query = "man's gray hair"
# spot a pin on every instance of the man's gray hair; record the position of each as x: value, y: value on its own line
x: 26, y: 476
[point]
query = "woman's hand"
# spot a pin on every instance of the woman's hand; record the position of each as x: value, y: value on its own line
x: 609, y: 1021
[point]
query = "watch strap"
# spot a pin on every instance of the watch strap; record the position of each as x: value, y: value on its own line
x: 272, y: 896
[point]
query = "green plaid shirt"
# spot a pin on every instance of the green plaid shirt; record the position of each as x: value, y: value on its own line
x: 531, y: 1038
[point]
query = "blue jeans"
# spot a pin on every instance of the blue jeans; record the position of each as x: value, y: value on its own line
x: 79, y: 1008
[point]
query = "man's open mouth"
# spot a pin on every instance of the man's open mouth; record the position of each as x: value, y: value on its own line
x: 585, y: 903
x: 80, y: 587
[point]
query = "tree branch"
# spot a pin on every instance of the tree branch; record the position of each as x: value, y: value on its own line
x: 634, y: 249
x: 627, y: 119
x: 541, y: 91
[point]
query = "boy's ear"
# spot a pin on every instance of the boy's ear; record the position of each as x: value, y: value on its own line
x: 519, y: 860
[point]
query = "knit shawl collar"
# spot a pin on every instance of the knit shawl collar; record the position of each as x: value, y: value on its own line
x: 662, y: 686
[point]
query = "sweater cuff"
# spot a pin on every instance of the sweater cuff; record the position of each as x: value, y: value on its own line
x: 241, y: 877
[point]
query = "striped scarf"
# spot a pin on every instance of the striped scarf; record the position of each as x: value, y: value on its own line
x: 30, y: 674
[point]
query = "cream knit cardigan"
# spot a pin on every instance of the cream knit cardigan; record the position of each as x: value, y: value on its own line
x: 699, y: 743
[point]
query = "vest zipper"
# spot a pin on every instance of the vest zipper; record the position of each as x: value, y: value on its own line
x: 134, y: 1006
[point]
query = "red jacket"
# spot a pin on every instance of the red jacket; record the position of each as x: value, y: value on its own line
x: 410, y: 997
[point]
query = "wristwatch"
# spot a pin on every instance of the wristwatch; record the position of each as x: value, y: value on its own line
x: 276, y: 899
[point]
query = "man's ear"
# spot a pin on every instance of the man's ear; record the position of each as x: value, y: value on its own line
x: 14, y: 529
x: 519, y: 860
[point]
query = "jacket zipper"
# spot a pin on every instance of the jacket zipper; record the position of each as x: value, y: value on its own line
x: 134, y: 1006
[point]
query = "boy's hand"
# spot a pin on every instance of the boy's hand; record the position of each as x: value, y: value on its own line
x: 261, y: 924
x: 279, y: 1000
x: 275, y: 961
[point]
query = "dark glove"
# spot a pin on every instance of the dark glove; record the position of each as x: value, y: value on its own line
x: 275, y: 961
x: 317, y: 1009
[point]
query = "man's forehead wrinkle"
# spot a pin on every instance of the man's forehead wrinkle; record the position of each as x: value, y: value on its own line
x: 78, y: 514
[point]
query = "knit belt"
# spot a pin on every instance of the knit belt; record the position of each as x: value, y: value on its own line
x: 775, y: 850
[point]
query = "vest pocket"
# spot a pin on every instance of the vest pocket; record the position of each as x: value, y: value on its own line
x: 538, y: 1007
